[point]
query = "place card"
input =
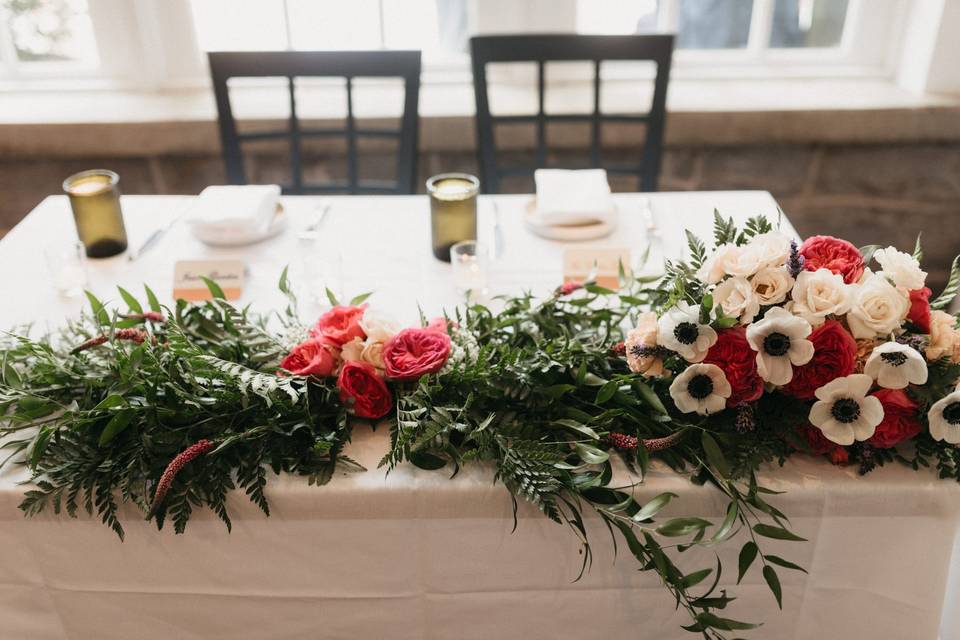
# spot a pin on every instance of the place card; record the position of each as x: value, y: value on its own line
x: 601, y: 263
x: 188, y: 278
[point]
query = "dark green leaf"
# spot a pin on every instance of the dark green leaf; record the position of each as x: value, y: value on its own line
x: 786, y: 564
x: 770, y: 575
x: 653, y: 506
x: 427, y: 461
x: 152, y: 301
x: 132, y: 303
x: 214, y: 288
x: 715, y: 455
x: 695, y: 578
x: 591, y: 455
x: 332, y: 298
x: 99, y: 311
x: 649, y: 396
x: 682, y: 526
x: 779, y: 533
x: 119, y: 422
x: 748, y: 553
x: 606, y: 391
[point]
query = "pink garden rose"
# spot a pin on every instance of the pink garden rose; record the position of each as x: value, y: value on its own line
x: 340, y: 324
x: 315, y: 357
x: 415, y: 352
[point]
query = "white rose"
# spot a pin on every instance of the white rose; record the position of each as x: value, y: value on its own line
x: 378, y: 327
x: 818, y: 294
x: 719, y: 264
x: 737, y: 299
x: 772, y: 284
x: 901, y: 267
x: 769, y: 249
x: 877, y: 309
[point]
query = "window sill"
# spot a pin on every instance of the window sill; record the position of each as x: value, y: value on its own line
x: 701, y: 112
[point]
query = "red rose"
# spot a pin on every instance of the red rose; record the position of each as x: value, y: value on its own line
x: 919, y: 313
x: 839, y: 256
x: 315, y: 357
x: 820, y: 445
x: 834, y: 356
x: 733, y: 354
x: 900, y: 421
x: 340, y: 324
x: 415, y: 352
x: 361, y: 387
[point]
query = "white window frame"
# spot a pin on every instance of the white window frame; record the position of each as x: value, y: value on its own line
x: 151, y: 45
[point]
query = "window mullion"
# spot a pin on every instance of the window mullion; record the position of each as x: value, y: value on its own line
x: 668, y: 16
x: 761, y: 24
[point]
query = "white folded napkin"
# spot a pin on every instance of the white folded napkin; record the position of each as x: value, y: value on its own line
x: 227, y: 211
x: 572, y: 197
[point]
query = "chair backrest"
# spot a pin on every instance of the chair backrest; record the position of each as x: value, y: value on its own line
x: 338, y: 64
x: 561, y: 47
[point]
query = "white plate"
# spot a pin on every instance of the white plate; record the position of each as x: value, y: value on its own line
x: 567, y: 233
x: 240, y: 236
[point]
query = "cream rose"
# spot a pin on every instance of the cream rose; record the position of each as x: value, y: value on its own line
x: 818, y: 294
x: 639, y: 339
x: 720, y: 264
x: 878, y: 308
x: 378, y: 327
x: 352, y: 350
x: 771, y: 285
x: 769, y: 249
x: 944, y: 337
x: 737, y: 299
x: 901, y: 267
x: 373, y: 354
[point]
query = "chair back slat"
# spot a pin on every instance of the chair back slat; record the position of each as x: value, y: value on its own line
x: 330, y: 64
x: 560, y: 47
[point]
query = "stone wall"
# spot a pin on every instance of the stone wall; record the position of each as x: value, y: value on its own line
x: 878, y: 193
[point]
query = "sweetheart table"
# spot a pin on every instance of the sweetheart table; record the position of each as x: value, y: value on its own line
x: 414, y: 554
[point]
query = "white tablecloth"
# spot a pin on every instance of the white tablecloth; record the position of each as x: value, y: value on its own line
x: 414, y: 554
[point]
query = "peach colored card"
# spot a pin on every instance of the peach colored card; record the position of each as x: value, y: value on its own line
x: 188, y: 275
x: 603, y: 262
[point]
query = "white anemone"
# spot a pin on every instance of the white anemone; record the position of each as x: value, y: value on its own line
x: 844, y: 412
x: 679, y: 330
x: 894, y: 366
x: 780, y: 340
x: 702, y: 388
x: 944, y: 418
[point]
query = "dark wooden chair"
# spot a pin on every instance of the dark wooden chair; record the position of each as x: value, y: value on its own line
x: 348, y: 65
x: 596, y: 49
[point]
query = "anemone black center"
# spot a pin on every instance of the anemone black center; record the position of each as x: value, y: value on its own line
x: 700, y: 386
x: 686, y: 332
x: 846, y: 410
x: 951, y: 413
x: 776, y: 344
x: 894, y: 359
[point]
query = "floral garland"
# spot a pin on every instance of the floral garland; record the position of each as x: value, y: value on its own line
x: 171, y: 410
x: 746, y: 355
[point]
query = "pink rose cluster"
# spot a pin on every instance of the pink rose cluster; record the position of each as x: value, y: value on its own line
x: 364, y: 352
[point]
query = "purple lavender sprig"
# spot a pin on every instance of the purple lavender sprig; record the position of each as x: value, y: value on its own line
x: 919, y: 343
x: 795, y: 263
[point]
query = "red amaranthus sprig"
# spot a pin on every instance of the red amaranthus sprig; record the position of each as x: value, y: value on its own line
x: 175, y: 466
x: 137, y: 336
x: 624, y: 442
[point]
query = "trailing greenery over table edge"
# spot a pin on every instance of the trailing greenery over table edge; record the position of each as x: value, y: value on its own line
x: 539, y: 389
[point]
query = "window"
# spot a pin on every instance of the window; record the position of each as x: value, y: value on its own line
x: 46, y: 36
x: 154, y: 44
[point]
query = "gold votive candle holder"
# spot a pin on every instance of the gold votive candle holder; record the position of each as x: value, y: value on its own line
x: 95, y: 200
x: 453, y: 211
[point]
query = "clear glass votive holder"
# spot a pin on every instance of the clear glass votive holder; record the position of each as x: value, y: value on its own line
x: 95, y: 200
x: 453, y: 211
x: 67, y: 265
x: 471, y: 265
